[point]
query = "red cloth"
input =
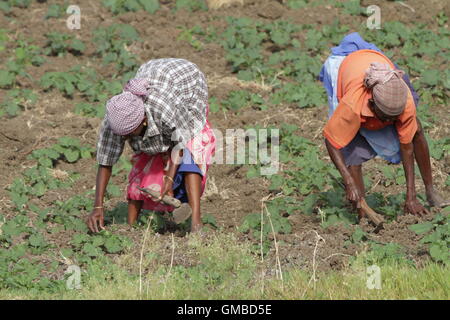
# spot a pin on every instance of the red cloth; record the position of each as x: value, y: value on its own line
x: 148, y: 171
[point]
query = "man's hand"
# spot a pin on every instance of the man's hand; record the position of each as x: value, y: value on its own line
x: 95, y: 219
x: 413, y: 206
x: 352, y: 194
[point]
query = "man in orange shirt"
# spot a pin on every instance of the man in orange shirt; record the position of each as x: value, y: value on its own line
x: 372, y: 95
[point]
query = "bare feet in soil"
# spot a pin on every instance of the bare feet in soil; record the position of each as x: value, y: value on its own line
x: 435, y: 200
x: 196, y: 227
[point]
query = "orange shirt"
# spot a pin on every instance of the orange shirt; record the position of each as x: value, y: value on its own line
x: 353, y: 110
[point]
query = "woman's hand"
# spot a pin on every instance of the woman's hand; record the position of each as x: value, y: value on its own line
x: 170, y: 174
x: 167, y: 187
x: 414, y: 207
x: 96, y: 219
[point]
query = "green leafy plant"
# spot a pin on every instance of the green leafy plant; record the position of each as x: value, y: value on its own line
x: 60, y: 43
x: 308, y: 95
x: 297, y: 4
x: 122, y: 167
x: 69, y: 213
x: 16, y: 100
x: 19, y: 272
x: 64, y: 81
x: 90, y: 110
x: 358, y: 235
x: 393, y: 175
x: 104, y: 241
x: 380, y: 253
x: 252, y: 223
x: 271, y: 222
x: 28, y: 54
x: 189, y: 35
x: 439, y: 148
x: 214, y: 105
x: 437, y: 236
x: 191, y: 5
x: 352, y: 7
x: 441, y: 18
x: 158, y: 222
x: 240, y: 99
x: 3, y: 39
x: 6, y: 5
x: 121, y: 6
x: 24, y: 55
x: 56, y: 10
x: 83, y: 80
x: 112, y: 45
x: 209, y: 219
x: 67, y: 148
x: 310, y: 173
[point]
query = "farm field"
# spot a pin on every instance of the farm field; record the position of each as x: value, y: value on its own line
x: 290, y: 235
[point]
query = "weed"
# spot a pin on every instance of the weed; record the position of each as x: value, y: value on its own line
x: 121, y: 6
x: 60, y: 43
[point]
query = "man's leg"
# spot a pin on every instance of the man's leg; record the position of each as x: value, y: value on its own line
x: 422, y: 155
x: 193, y: 183
x: 134, y: 208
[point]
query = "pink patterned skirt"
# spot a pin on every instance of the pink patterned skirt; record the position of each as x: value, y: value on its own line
x: 148, y: 171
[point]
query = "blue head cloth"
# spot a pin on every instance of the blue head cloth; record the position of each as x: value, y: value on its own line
x: 352, y: 42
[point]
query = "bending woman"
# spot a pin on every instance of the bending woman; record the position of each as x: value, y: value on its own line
x: 162, y: 113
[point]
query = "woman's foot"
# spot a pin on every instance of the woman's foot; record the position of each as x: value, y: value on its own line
x: 435, y: 200
x: 196, y: 226
x: 134, y: 208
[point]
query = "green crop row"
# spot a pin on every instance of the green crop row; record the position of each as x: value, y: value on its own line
x: 438, y: 236
x: 27, y: 235
x: 112, y: 47
x: 16, y: 100
x: 7, y: 5
x: 312, y: 186
x: 82, y: 80
x: 121, y: 6
x: 60, y: 43
x: 285, y: 55
x: 24, y: 55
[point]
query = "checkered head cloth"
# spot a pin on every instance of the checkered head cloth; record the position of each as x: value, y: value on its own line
x: 125, y: 111
x: 388, y: 88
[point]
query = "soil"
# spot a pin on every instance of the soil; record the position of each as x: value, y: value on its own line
x: 229, y: 195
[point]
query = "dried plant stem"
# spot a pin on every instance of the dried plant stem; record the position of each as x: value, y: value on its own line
x: 264, y: 207
x: 276, y: 246
x: 263, y: 274
x: 313, y: 277
x: 171, y: 264
x: 142, y: 254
